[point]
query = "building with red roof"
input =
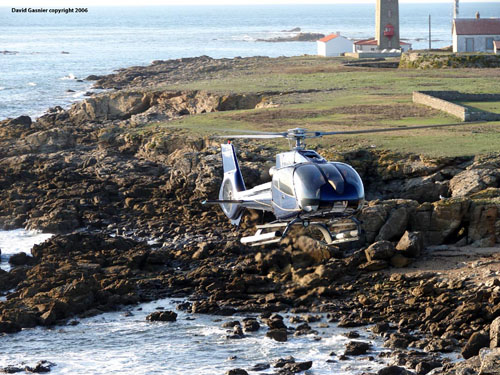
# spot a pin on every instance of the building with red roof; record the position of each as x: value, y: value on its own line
x: 475, y: 34
x: 334, y: 45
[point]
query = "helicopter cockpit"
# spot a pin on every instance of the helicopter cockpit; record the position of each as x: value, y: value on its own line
x: 311, y: 187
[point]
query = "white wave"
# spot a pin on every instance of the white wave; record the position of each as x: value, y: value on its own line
x: 31, y: 84
x: 2, y: 88
x: 69, y: 76
x: 17, y: 241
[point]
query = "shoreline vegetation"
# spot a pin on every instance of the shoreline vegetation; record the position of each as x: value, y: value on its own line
x: 132, y: 165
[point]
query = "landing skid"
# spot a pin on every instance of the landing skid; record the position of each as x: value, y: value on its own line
x: 269, y: 233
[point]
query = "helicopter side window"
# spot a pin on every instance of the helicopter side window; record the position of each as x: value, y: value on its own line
x: 285, y: 178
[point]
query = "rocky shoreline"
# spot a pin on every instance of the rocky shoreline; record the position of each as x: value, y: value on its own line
x: 106, y: 185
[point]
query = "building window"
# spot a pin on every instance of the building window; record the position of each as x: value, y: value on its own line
x: 489, y: 43
x: 389, y: 13
x: 390, y: 44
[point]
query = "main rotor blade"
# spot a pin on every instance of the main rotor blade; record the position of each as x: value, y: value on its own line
x: 250, y: 131
x: 249, y: 136
x: 382, y: 130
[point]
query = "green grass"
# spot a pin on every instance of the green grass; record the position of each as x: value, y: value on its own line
x: 493, y: 107
x: 347, y: 98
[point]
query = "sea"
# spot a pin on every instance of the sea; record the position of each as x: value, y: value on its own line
x: 43, y: 56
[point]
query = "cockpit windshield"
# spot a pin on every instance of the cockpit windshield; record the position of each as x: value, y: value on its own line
x: 334, y: 177
x: 308, y: 181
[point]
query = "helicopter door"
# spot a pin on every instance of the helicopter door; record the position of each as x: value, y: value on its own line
x: 284, y: 199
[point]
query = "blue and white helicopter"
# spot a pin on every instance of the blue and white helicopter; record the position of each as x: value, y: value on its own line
x: 305, y: 190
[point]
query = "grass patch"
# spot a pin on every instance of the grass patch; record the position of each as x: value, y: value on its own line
x: 487, y: 106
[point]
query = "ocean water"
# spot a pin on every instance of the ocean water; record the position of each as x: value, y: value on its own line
x: 42, y: 56
x: 125, y: 343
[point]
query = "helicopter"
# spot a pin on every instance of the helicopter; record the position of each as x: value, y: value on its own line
x: 305, y: 190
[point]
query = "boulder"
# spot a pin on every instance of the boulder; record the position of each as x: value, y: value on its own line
x: 296, y: 367
x: 315, y: 249
x: 373, y: 218
x: 395, y: 225
x: 251, y: 325
x: 411, y: 244
x: 380, y: 250
x: 477, y: 341
x: 425, y: 367
x: 20, y: 259
x: 162, y: 316
x: 278, y: 334
x: 394, y: 370
x: 446, y: 218
x: 236, y: 371
x: 356, y: 348
x: 280, y: 363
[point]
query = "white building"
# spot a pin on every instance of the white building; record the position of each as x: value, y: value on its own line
x: 475, y: 34
x: 334, y: 45
x: 371, y: 45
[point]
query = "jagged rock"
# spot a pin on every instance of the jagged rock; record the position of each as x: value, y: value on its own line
x: 283, y: 361
x: 373, y: 218
x: 477, y: 341
x: 40, y: 367
x: 411, y: 244
x: 251, y: 325
x: 395, y: 225
x: 162, y: 316
x: 356, y: 348
x: 20, y: 259
x: 380, y: 250
x: 236, y: 371
x: 396, y: 341
x: 490, y: 361
x: 278, y: 334
x: 495, y: 333
x: 482, y: 223
x: 315, y: 249
x: 473, y: 180
x: 296, y: 367
x: 394, y: 370
x: 446, y: 218
x: 425, y: 367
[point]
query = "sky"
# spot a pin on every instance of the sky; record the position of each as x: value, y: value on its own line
x: 73, y: 3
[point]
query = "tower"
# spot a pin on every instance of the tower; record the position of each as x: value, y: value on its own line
x: 456, y: 9
x: 387, y: 24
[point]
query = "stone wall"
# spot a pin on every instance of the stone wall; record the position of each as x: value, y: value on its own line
x: 443, y: 101
x: 419, y: 60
